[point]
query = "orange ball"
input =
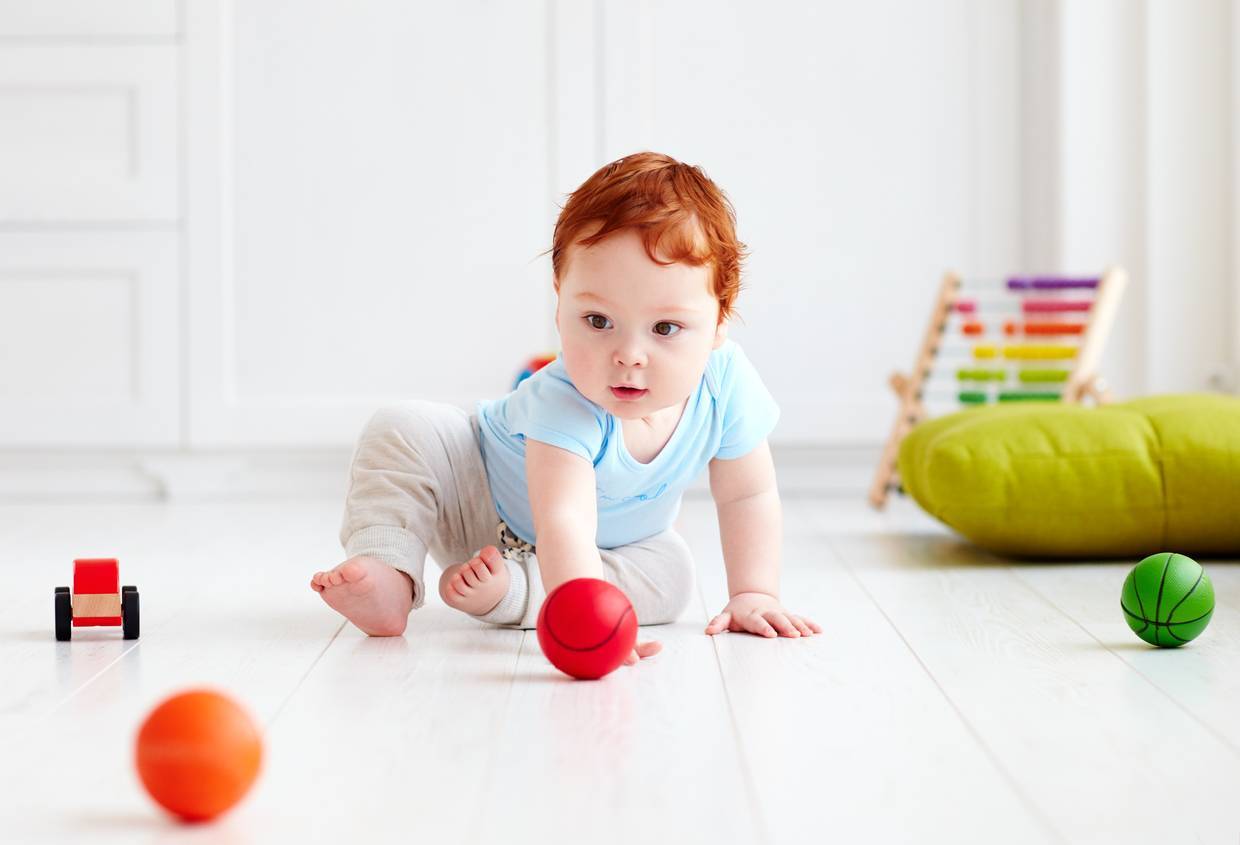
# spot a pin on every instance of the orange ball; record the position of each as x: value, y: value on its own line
x: 198, y: 753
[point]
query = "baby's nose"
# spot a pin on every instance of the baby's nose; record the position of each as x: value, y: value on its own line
x: 630, y: 359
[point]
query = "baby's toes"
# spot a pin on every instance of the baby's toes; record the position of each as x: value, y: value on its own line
x: 351, y: 571
x: 492, y: 559
x: 459, y: 584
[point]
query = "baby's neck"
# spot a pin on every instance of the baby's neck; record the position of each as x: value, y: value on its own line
x: 662, y: 418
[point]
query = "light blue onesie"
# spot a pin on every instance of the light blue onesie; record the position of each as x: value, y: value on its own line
x: 726, y: 417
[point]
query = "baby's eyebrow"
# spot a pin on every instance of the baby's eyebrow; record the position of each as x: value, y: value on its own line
x: 663, y: 309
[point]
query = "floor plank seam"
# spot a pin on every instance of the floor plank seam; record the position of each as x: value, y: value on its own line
x: 89, y: 681
x: 304, y: 675
x: 1222, y: 738
x: 751, y: 789
x: 474, y: 835
x: 1007, y: 776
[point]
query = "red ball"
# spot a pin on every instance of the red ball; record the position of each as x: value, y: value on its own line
x: 198, y: 753
x: 587, y: 627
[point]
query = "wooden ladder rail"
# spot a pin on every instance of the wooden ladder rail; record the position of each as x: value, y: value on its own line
x: 1083, y: 380
x: 908, y: 389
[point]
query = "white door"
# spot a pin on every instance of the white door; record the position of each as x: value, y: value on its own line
x: 89, y: 209
x: 368, y: 197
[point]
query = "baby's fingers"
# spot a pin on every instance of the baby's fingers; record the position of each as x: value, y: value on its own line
x: 719, y: 623
x: 756, y: 624
x: 648, y: 649
x: 643, y: 650
x: 782, y: 624
x: 807, y: 627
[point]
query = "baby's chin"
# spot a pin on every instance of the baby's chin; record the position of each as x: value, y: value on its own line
x: 626, y: 411
x: 637, y: 409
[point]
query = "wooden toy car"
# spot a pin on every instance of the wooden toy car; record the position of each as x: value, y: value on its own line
x: 96, y: 600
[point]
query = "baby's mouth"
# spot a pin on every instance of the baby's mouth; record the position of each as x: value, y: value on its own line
x: 628, y: 393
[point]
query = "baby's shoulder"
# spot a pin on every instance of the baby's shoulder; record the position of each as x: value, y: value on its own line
x: 719, y: 366
x: 549, y: 400
x: 552, y: 386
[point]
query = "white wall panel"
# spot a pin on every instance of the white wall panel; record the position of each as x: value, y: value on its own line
x: 89, y: 327
x: 76, y: 327
x: 88, y: 133
x: 366, y: 229
x: 1146, y: 149
x: 87, y: 18
x: 1233, y: 382
x: 1101, y: 104
x: 1190, y: 152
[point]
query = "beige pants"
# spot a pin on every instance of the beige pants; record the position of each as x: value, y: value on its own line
x: 417, y: 484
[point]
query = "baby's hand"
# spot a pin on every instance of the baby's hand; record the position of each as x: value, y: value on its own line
x: 758, y: 613
x: 646, y: 649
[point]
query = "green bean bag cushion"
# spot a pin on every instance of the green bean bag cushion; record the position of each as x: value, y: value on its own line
x: 1055, y: 480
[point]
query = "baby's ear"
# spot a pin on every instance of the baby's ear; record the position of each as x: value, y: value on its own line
x: 721, y: 334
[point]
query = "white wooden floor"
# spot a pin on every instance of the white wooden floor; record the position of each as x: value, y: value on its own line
x: 954, y: 697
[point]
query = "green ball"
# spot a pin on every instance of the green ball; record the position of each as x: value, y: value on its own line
x: 1168, y: 599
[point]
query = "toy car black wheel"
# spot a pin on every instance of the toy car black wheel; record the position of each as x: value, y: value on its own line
x: 64, y: 614
x: 129, y: 612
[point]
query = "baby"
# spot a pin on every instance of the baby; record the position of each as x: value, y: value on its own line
x: 579, y: 472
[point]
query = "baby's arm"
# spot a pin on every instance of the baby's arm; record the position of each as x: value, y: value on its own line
x: 562, y: 500
x: 751, y: 529
x: 750, y: 521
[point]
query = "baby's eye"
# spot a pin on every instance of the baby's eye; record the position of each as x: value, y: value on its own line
x: 597, y: 321
x: 666, y: 329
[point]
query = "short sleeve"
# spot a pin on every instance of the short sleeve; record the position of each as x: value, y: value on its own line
x: 749, y: 411
x: 547, y: 407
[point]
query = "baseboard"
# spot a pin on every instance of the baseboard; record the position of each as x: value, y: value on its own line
x: 803, y: 469
x: 170, y: 476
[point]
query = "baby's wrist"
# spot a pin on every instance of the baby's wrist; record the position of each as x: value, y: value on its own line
x: 764, y: 593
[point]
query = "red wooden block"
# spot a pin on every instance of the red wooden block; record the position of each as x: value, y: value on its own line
x: 96, y: 575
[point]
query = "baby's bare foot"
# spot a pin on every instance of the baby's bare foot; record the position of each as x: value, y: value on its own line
x: 476, y: 586
x: 369, y: 593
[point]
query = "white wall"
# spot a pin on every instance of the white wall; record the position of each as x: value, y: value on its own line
x: 236, y: 228
x: 1189, y: 157
x: 1146, y: 152
x: 385, y: 197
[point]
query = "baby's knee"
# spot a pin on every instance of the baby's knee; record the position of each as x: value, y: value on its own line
x: 414, y: 430
x: 676, y: 578
x: 408, y: 421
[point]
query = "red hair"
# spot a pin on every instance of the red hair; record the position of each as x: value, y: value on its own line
x: 678, y: 210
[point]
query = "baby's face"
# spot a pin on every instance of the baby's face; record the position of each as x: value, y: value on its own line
x: 635, y: 335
